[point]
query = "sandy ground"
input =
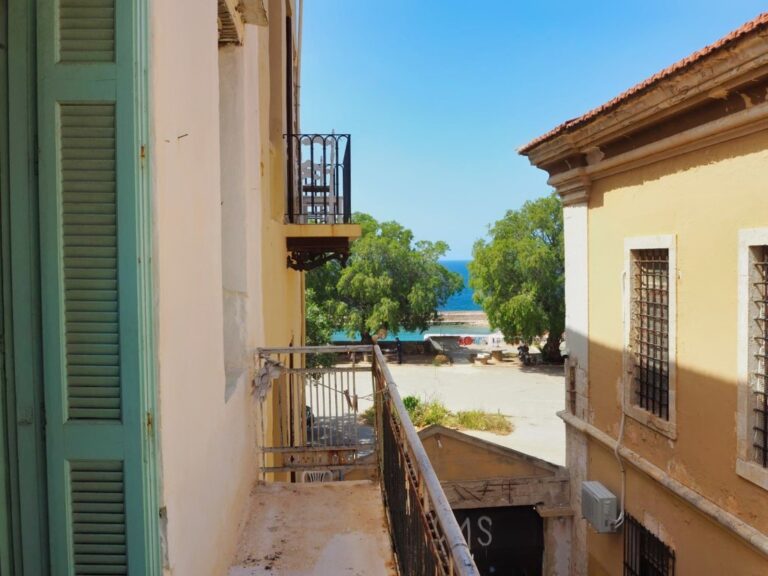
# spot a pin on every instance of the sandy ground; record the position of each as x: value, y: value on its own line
x: 529, y: 396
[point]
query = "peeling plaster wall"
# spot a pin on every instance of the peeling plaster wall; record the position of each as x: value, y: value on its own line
x: 701, y: 546
x: 207, y: 463
x: 221, y: 279
x: 454, y: 460
x: 235, y: 250
x: 704, y: 199
x: 557, y: 546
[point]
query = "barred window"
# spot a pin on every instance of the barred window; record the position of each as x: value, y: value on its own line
x: 758, y: 364
x: 650, y: 330
x: 644, y: 553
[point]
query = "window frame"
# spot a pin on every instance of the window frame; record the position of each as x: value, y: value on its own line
x: 640, y: 552
x: 746, y: 467
x: 666, y: 427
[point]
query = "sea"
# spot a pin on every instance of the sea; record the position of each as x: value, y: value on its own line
x: 463, y: 300
x: 459, y: 302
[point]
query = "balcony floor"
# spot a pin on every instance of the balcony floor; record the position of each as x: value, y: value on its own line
x: 333, y: 528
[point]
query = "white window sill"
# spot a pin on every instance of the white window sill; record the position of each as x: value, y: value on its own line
x: 753, y: 472
x: 667, y: 428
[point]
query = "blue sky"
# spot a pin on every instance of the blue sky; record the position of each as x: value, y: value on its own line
x: 438, y: 94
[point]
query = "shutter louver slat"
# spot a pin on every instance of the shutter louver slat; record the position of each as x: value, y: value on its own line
x: 86, y: 31
x: 90, y: 265
x: 98, y: 518
x: 89, y: 62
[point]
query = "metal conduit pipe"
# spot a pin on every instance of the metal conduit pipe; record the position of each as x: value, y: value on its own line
x: 714, y: 512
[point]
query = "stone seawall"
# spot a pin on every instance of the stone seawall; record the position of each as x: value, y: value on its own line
x: 468, y: 317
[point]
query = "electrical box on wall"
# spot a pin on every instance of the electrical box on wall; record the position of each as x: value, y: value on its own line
x: 598, y: 506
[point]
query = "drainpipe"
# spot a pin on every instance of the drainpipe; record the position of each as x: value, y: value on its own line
x: 298, y: 67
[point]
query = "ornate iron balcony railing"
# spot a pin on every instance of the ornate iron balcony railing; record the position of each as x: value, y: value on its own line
x: 319, y: 178
x: 321, y: 393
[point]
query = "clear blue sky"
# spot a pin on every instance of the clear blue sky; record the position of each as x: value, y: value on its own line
x: 438, y: 94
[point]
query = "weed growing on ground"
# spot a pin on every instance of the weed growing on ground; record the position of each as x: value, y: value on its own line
x: 428, y: 412
x: 486, y: 421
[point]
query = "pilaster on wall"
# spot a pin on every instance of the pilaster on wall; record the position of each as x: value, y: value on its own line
x: 576, y: 462
x: 575, y: 195
x: 557, y: 545
x: 575, y: 226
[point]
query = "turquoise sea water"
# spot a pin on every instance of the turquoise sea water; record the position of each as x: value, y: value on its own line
x: 460, y: 302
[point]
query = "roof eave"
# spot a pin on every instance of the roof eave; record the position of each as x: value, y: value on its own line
x: 708, y: 77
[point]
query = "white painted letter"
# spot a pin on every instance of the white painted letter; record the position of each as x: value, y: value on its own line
x: 486, y: 530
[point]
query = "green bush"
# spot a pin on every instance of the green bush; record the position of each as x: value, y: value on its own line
x: 411, y: 404
x: 369, y: 416
x: 429, y: 413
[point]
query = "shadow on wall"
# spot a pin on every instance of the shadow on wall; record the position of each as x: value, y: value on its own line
x: 703, y: 457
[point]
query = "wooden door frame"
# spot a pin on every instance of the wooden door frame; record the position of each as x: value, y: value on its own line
x: 21, y: 302
x: 6, y: 518
x: 146, y: 298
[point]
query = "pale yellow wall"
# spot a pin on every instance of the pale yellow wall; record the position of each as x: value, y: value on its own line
x: 208, y: 443
x: 282, y: 288
x: 704, y: 199
x: 702, y: 547
x: 455, y: 460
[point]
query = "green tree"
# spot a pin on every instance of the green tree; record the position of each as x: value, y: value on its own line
x: 319, y: 328
x: 390, y: 282
x: 518, y: 275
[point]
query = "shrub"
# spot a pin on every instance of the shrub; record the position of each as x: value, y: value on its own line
x: 411, y: 404
x: 369, y: 416
x: 433, y: 412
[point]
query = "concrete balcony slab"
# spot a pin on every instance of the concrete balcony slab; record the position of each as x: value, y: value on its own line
x: 328, y: 528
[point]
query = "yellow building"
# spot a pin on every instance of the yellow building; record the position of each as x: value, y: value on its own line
x: 666, y: 230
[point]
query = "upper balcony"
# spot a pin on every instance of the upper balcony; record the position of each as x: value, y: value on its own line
x: 319, y: 199
x: 358, y: 495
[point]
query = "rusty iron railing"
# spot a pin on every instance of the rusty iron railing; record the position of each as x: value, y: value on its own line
x: 426, y: 537
x: 340, y: 412
x: 315, y: 409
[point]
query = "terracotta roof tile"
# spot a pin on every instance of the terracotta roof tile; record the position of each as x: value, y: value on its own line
x: 752, y: 26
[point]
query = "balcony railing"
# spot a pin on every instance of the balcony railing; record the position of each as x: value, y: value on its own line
x: 319, y: 178
x: 321, y: 394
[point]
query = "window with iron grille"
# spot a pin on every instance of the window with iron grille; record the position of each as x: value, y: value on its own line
x: 650, y: 330
x: 758, y: 362
x: 644, y: 553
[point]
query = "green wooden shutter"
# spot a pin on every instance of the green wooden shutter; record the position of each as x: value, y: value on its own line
x: 88, y: 172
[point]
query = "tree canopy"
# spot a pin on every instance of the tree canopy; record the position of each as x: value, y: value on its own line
x: 518, y: 275
x: 390, y: 282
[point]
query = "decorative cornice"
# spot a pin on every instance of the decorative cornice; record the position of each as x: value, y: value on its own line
x: 573, y: 187
x: 737, y: 125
